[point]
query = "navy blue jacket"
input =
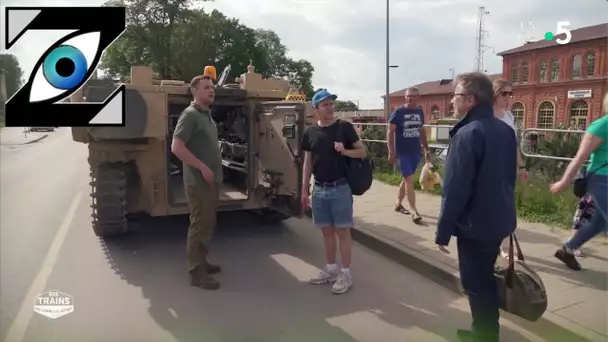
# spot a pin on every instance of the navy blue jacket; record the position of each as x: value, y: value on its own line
x: 478, y: 200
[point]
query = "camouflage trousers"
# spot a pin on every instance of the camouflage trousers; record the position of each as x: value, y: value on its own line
x: 203, y: 202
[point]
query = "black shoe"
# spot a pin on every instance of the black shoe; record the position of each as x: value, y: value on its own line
x: 568, y: 258
x: 464, y: 335
x: 468, y: 336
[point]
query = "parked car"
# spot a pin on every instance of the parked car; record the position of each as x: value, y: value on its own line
x: 42, y: 129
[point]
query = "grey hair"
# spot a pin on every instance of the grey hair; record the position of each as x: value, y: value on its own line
x: 413, y: 90
x: 477, y: 84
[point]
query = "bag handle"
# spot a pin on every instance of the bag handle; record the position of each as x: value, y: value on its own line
x: 599, y: 168
x: 339, y: 136
x: 520, y: 256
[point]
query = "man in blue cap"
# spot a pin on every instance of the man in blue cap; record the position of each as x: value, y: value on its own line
x: 325, y: 146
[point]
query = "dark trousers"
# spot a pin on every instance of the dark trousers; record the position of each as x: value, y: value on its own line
x: 476, y: 261
x: 203, y: 202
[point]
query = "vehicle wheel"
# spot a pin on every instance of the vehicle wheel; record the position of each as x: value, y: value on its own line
x: 109, y: 204
x: 271, y: 217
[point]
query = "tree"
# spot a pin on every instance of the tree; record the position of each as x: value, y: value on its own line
x: 13, y: 73
x: 345, y: 106
x: 178, y: 42
x: 342, y: 106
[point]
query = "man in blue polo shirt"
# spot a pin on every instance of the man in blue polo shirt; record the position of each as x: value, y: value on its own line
x: 404, y: 138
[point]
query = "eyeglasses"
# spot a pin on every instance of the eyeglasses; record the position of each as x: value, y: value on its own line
x: 506, y: 93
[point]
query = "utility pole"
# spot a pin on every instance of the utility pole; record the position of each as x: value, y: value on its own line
x: 480, y: 46
x: 2, y: 93
x: 387, y: 107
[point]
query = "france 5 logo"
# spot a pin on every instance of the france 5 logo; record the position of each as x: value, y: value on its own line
x: 65, y: 66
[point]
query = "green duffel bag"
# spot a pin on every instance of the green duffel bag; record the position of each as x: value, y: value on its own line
x: 521, y: 290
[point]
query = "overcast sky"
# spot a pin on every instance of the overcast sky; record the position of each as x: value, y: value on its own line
x: 345, y: 39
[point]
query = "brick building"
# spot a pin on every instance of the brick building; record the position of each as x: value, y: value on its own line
x: 552, y: 84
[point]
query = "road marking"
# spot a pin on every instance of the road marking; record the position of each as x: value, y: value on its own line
x: 17, y: 330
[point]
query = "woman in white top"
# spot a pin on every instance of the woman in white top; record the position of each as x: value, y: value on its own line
x: 502, y: 95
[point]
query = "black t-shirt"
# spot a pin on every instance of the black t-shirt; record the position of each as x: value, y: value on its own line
x: 326, y: 166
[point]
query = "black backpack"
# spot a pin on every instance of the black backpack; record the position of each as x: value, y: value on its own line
x: 359, y: 171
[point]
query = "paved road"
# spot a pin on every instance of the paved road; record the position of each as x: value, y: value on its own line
x: 136, y: 289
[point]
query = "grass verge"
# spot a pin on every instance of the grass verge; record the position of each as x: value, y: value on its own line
x: 533, y: 200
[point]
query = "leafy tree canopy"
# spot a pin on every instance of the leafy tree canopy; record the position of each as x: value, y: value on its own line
x: 178, y: 41
x: 13, y: 73
x: 342, y: 106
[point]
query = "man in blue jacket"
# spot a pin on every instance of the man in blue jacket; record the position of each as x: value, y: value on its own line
x: 478, y: 202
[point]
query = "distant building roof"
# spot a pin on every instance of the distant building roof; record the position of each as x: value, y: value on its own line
x: 578, y: 35
x: 444, y: 86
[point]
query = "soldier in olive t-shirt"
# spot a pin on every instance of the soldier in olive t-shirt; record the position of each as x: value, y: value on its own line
x: 197, y: 134
x: 198, y: 131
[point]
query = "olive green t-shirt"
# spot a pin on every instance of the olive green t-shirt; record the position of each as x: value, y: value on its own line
x: 599, y: 157
x: 198, y: 131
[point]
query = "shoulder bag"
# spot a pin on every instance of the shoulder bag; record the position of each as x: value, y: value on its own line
x: 359, y: 171
x: 580, y: 184
x: 520, y: 289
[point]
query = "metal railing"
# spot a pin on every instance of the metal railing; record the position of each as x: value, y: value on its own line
x: 525, y: 142
x: 433, y: 146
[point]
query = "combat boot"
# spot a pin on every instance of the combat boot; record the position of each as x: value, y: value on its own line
x: 213, y: 269
x: 201, y: 278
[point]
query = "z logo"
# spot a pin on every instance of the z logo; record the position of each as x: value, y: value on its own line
x: 65, y: 66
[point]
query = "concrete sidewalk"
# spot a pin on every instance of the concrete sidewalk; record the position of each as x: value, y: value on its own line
x: 15, y: 136
x: 578, y: 301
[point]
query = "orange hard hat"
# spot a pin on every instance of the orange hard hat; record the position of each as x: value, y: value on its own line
x: 210, y: 71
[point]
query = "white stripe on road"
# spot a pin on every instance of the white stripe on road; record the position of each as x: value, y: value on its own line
x: 17, y: 330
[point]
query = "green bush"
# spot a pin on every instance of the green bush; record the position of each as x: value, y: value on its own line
x: 534, y: 201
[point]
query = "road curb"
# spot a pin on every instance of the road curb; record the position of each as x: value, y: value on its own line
x: 40, y: 138
x: 550, y: 327
x: 33, y: 141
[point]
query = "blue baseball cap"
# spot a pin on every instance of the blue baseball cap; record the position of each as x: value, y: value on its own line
x: 321, y: 95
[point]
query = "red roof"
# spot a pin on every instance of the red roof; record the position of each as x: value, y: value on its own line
x: 438, y: 87
x: 578, y: 35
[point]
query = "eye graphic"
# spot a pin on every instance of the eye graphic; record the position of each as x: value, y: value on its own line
x: 65, y: 67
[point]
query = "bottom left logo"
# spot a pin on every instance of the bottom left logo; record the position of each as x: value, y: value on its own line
x: 54, y: 304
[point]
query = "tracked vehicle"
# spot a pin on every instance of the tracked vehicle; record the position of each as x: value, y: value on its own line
x: 133, y: 170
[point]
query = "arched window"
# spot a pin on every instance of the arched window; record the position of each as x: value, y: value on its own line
x: 546, y: 115
x: 543, y: 71
x: 434, y: 113
x: 518, y: 111
x: 514, y: 73
x: 524, y: 72
x: 590, y: 69
x: 554, y: 69
x: 578, y: 114
x: 577, y: 66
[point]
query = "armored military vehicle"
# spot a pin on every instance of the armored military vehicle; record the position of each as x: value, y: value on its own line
x: 133, y: 170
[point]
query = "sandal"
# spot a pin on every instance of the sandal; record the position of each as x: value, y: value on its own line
x: 416, y: 218
x: 401, y: 209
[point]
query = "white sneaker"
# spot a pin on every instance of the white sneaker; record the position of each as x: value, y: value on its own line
x: 342, y: 284
x: 325, y: 277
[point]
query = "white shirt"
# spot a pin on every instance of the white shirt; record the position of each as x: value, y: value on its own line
x: 509, y: 119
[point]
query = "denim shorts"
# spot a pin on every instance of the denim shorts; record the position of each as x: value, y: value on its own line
x: 332, y: 206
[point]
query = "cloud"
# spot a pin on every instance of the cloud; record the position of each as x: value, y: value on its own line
x: 345, y: 40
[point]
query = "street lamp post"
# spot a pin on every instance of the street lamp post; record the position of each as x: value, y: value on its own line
x: 387, y: 101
